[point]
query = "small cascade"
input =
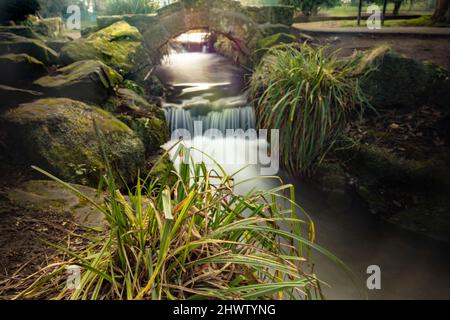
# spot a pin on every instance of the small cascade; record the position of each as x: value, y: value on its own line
x: 229, y: 118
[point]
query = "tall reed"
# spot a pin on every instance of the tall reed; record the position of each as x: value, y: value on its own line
x: 308, y: 95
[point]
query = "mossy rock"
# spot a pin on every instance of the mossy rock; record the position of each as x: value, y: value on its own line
x: 152, y: 131
x: 20, y: 69
x: 50, y: 196
x: 89, y: 80
x: 128, y: 101
x: 22, y: 31
x: 51, y: 28
x: 11, y: 43
x: 392, y: 80
x: 275, y: 39
x: 58, y: 135
x: 11, y: 96
x: 115, y: 45
x: 271, y: 41
x: 381, y: 167
x: 57, y: 44
x: 330, y: 176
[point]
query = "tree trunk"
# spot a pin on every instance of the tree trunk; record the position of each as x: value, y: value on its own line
x: 397, y: 6
x: 359, y: 12
x: 442, y: 11
x: 383, y: 15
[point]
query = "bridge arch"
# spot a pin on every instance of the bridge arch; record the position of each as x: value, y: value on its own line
x: 244, y: 25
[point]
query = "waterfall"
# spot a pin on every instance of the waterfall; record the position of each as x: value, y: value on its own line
x: 229, y: 118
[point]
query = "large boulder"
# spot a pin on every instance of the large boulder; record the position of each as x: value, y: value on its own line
x: 11, y: 96
x: 115, y: 45
x: 58, y: 135
x: 20, y: 69
x: 392, y: 80
x: 11, y: 43
x: 89, y: 80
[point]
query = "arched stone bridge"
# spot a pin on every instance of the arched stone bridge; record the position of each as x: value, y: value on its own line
x: 244, y: 25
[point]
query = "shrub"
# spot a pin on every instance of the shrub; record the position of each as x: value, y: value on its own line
x: 307, y: 95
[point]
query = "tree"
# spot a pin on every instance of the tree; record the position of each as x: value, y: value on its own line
x: 311, y: 7
x: 442, y: 11
x: 17, y: 10
x: 397, y: 6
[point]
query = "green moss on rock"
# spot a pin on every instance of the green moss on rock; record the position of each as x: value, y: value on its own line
x: 115, y: 45
x: 275, y: 39
x: 128, y: 101
x: 51, y: 28
x: 152, y: 131
x: 88, y: 80
x: 58, y: 135
x: 11, y: 43
x: 392, y: 80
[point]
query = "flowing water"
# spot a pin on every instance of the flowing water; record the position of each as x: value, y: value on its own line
x: 208, y: 89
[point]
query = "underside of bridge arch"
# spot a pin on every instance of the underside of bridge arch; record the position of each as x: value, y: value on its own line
x: 230, y: 22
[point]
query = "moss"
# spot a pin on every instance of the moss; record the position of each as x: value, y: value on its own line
x: 128, y: 101
x: 392, y: 80
x: 115, y: 45
x: 276, y: 39
x: 152, y: 131
x: 88, y: 80
x: 51, y: 27
x: 330, y: 177
x: 11, y: 43
x: 58, y: 135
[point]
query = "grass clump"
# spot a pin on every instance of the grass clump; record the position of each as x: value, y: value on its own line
x: 307, y: 95
x: 194, y: 238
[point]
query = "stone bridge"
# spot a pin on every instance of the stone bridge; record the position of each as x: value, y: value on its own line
x: 244, y: 25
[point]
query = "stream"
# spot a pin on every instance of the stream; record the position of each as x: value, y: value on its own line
x: 207, y: 93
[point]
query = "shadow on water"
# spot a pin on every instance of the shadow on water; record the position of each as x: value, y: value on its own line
x: 208, y: 88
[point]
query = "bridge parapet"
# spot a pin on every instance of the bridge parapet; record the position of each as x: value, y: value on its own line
x: 273, y: 14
